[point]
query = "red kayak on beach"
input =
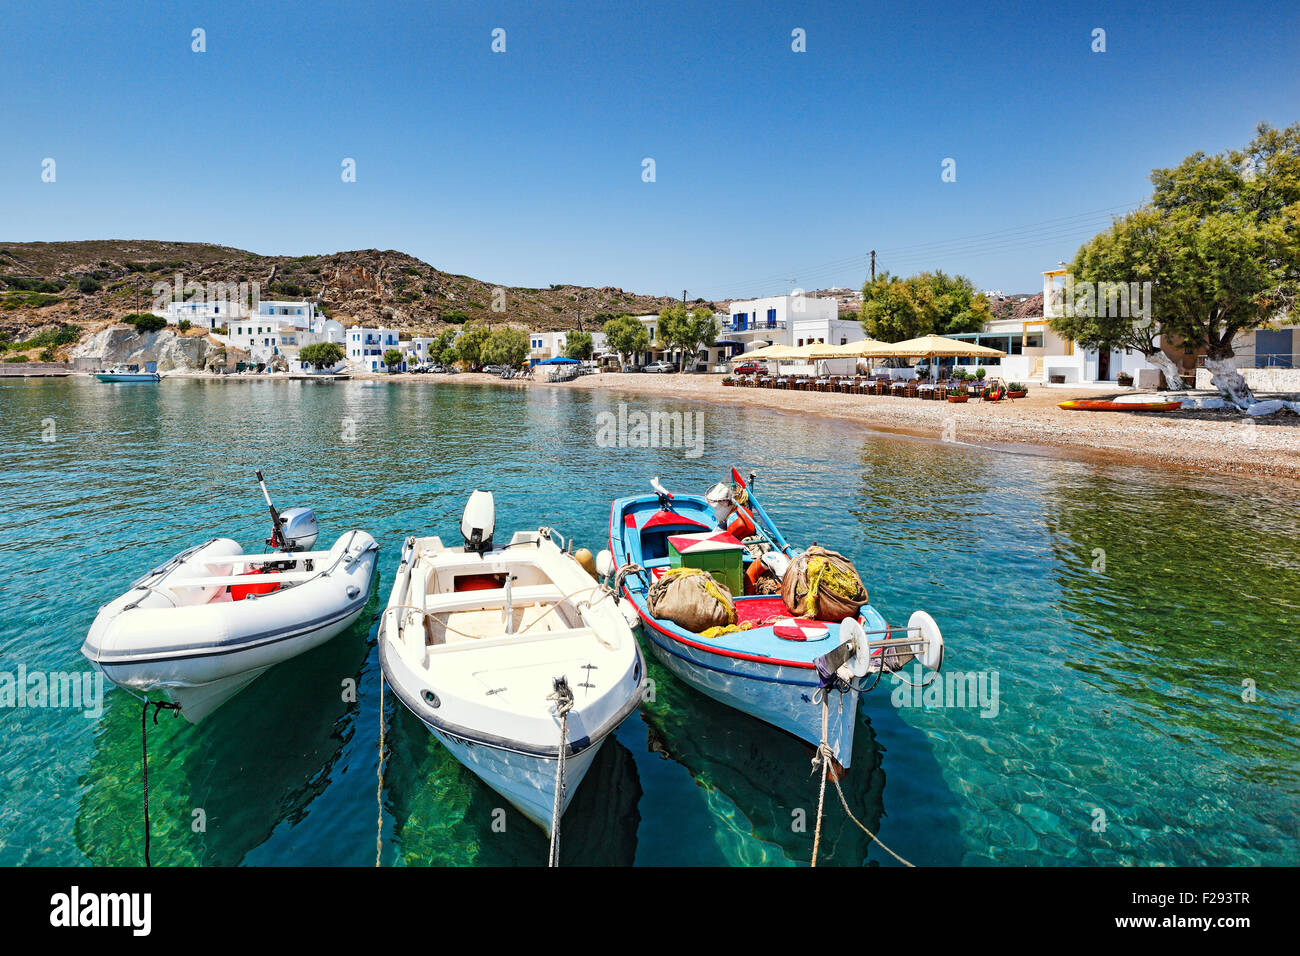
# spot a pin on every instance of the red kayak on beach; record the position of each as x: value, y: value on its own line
x: 1096, y: 405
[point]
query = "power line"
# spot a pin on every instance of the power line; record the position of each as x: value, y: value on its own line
x: 1027, y: 234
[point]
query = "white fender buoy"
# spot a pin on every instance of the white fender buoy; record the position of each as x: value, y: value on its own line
x: 930, y: 655
x: 851, y: 630
x: 629, y: 612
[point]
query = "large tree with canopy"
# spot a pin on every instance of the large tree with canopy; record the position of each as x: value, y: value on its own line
x: 1219, y: 242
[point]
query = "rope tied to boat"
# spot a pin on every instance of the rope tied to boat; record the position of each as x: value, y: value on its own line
x: 144, y: 757
x: 379, y: 785
x: 563, y: 698
x: 822, y: 760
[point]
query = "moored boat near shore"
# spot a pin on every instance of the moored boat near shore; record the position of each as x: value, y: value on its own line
x: 209, y: 621
x: 127, y: 373
x: 771, y: 663
x: 514, y: 657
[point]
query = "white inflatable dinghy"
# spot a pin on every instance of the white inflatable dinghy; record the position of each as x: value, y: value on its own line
x: 205, y: 624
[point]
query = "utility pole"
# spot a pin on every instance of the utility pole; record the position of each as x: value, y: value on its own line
x: 873, y: 265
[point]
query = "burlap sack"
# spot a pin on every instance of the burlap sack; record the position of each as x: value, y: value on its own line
x: 690, y: 598
x: 822, y: 585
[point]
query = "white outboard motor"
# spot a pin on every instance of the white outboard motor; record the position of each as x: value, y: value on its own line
x: 299, y: 525
x: 478, y: 522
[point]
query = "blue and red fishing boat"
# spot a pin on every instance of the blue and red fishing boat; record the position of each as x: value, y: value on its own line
x: 773, y: 665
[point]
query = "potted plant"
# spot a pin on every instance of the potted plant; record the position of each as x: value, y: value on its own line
x: 959, y: 396
x: 1017, y: 390
x: 726, y: 380
x: 979, y: 374
x: 1124, y: 379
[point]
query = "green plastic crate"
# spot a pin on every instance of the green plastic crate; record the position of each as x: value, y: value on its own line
x: 725, y: 563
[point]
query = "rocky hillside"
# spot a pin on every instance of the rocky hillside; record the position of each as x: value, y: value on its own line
x: 51, y: 292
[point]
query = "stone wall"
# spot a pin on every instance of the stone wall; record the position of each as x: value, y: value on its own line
x: 1286, y: 380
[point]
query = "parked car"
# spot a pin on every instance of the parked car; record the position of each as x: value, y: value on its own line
x: 749, y: 368
x: 633, y: 368
x: 661, y: 367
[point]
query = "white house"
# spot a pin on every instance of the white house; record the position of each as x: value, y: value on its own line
x: 366, y: 347
x: 788, y: 320
x: 203, y: 314
x: 278, y: 328
x: 1035, y: 353
x: 548, y: 345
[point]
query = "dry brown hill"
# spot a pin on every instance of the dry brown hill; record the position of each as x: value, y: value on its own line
x: 90, y: 284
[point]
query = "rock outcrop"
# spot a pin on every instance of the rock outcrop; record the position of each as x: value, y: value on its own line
x: 121, y: 344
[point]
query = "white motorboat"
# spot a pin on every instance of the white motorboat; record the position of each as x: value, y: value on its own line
x: 502, y: 652
x: 208, y: 622
x: 127, y: 373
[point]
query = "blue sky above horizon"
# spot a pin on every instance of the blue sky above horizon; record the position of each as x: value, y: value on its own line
x: 525, y: 167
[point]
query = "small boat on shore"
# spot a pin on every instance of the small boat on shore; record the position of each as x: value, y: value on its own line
x: 770, y: 663
x: 1097, y: 405
x: 209, y: 621
x: 127, y: 373
x: 513, y: 657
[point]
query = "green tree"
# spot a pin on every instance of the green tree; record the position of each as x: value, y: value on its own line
x: 506, y: 346
x: 895, y: 309
x: 321, y: 354
x: 1220, y: 244
x: 687, y: 331
x: 145, y: 321
x: 443, y: 349
x: 392, y: 358
x: 578, y: 345
x: 626, y: 336
x: 470, y: 344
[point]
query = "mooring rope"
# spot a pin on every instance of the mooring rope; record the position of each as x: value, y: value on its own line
x: 824, y: 756
x: 144, y: 758
x: 563, y: 698
x: 379, y: 785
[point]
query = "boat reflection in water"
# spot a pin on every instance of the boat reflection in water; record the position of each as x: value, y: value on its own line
x: 220, y: 789
x: 444, y: 815
x: 767, y: 775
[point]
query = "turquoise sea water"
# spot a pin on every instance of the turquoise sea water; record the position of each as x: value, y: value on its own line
x: 1119, y: 691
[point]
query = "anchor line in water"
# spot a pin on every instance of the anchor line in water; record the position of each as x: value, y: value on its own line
x: 379, y: 785
x: 824, y: 756
x: 563, y: 698
x: 144, y: 758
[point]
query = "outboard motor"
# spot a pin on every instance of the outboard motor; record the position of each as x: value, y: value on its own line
x: 478, y: 522
x: 299, y: 528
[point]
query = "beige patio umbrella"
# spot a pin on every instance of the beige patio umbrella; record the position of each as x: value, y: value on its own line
x: 849, y: 350
x: 766, y: 352
x: 929, y: 347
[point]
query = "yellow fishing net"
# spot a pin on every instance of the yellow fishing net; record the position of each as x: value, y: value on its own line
x: 822, y: 573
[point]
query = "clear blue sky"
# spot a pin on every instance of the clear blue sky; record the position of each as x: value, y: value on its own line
x: 524, y: 168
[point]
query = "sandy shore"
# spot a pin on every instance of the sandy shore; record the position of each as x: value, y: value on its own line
x: 1218, y: 441
x: 1223, y: 442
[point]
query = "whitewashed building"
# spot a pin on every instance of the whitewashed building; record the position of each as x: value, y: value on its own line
x: 366, y: 346
x: 549, y: 345
x: 1035, y: 353
x: 792, y: 320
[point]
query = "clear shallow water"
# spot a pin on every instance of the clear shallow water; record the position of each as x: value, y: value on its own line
x: 1120, y: 690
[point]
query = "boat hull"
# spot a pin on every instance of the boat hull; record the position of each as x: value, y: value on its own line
x: 1091, y: 405
x: 780, y: 696
x: 509, y: 733
x: 203, y: 654
x: 773, y: 680
x: 128, y: 377
x: 526, y: 781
